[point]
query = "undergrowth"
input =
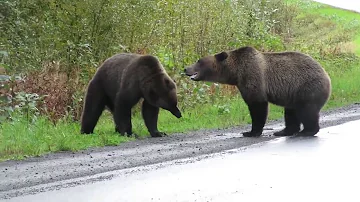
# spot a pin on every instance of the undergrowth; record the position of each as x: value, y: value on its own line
x: 328, y: 34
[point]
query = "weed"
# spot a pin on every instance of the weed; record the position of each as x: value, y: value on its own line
x: 62, y: 56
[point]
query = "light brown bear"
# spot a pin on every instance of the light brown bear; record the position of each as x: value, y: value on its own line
x: 292, y: 80
x: 119, y: 83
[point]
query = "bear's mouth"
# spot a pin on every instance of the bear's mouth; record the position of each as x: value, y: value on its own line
x: 194, y: 76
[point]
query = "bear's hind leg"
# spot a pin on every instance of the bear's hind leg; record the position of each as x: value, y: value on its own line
x: 93, y: 107
x: 150, y: 115
x: 258, y: 113
x: 309, y: 117
x: 292, y: 123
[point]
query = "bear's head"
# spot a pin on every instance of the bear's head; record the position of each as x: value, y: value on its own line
x: 209, y: 68
x: 161, y: 92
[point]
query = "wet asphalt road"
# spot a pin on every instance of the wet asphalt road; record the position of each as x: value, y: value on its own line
x: 64, y: 170
x: 321, y: 168
x: 353, y: 5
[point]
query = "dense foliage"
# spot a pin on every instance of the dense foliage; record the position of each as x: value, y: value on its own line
x: 50, y: 49
x: 59, y: 44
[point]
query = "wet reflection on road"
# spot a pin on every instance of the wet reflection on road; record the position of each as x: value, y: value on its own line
x: 318, y: 168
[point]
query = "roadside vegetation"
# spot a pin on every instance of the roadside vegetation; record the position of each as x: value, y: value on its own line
x: 50, y: 50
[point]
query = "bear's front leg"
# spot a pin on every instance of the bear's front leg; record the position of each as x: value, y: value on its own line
x: 258, y: 113
x: 122, y: 119
x: 123, y: 123
x: 150, y: 115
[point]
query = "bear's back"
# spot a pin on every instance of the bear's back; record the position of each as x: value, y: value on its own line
x: 109, y: 74
x: 116, y: 64
x: 291, y: 67
x: 289, y: 75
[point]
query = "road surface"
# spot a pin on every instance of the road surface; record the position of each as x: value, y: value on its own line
x: 37, y: 178
x: 353, y: 5
x: 321, y: 168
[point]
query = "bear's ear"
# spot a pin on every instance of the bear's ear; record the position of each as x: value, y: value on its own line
x: 221, y: 56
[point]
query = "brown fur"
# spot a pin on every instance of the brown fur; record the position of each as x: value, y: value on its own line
x: 119, y: 83
x: 289, y: 79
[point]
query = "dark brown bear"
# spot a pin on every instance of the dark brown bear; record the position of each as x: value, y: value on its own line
x: 119, y: 83
x: 289, y: 79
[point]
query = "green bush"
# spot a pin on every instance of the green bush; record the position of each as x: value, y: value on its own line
x: 73, y: 37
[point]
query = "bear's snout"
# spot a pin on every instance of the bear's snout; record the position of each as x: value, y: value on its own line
x: 189, y: 71
x: 186, y: 71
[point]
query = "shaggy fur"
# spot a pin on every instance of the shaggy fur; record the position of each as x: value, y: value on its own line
x: 119, y: 83
x: 292, y: 80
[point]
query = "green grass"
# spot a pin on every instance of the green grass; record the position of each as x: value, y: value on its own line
x: 347, y: 20
x: 344, y: 16
x: 345, y: 88
x: 317, y: 26
x: 357, y: 43
x: 20, y: 139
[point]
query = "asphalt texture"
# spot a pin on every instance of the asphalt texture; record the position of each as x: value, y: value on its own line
x: 64, y: 169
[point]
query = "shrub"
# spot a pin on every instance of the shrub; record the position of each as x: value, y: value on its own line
x: 59, y: 44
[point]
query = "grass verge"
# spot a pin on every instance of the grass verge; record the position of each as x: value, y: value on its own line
x: 317, y: 26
